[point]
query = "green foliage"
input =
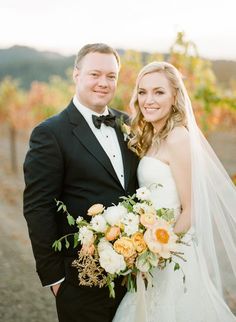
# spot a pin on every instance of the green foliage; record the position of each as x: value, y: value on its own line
x: 62, y: 207
x: 176, y: 267
x: 166, y: 214
x: 76, y: 240
x: 57, y: 245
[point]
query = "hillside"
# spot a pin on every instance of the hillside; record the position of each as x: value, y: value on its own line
x: 28, y: 64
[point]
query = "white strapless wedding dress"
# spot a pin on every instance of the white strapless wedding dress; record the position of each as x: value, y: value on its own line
x: 169, y: 300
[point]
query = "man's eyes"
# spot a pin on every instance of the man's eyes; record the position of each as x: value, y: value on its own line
x: 96, y: 75
x: 112, y: 77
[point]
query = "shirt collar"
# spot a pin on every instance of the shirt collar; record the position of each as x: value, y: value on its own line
x: 87, y: 112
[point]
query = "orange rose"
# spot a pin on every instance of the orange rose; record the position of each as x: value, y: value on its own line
x: 124, y: 246
x: 139, y: 242
x: 95, y: 209
x: 112, y: 233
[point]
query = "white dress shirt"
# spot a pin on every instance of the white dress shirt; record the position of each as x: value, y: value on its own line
x: 106, y: 136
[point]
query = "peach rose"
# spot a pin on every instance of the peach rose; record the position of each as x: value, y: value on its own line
x: 139, y: 242
x: 112, y: 233
x: 95, y: 209
x: 148, y: 219
x: 88, y: 249
x: 124, y: 246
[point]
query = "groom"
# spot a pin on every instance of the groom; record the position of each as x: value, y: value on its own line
x: 78, y: 156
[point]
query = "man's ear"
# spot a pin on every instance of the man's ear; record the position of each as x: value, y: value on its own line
x: 75, y: 74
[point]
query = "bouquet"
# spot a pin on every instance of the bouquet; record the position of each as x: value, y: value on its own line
x: 122, y: 240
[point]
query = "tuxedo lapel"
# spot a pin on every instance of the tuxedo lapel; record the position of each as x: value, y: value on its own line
x: 86, y: 137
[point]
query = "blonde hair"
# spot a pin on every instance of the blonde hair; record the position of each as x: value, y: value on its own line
x: 144, y: 134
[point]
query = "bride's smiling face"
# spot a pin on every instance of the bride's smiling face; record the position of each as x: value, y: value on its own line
x: 155, y: 97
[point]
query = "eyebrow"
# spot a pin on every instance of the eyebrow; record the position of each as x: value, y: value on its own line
x: 99, y: 71
x: 160, y: 87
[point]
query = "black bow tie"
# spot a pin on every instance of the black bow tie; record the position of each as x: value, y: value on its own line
x: 108, y: 120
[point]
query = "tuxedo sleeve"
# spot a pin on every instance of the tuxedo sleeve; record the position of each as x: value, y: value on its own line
x: 43, y: 171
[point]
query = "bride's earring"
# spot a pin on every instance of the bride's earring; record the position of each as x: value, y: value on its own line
x: 174, y: 108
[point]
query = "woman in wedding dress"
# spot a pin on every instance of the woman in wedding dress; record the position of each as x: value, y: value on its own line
x: 174, y: 154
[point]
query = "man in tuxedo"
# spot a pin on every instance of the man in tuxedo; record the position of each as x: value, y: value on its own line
x: 78, y: 156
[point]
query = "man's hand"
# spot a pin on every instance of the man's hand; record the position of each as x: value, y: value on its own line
x: 55, y: 288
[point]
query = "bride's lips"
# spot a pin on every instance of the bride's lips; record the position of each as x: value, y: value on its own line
x: 152, y: 108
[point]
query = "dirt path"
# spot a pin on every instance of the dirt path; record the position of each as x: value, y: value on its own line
x: 22, y: 299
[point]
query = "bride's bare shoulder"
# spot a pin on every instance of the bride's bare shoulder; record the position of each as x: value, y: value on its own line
x: 178, y: 146
x: 179, y: 135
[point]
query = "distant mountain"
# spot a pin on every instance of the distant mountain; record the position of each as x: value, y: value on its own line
x: 28, y: 64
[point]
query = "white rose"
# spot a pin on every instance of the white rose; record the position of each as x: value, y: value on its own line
x: 111, y: 261
x: 104, y: 245
x: 98, y: 223
x: 130, y: 229
x: 130, y: 219
x: 114, y: 214
x: 143, y: 193
x: 85, y: 236
x: 131, y: 223
x: 138, y: 206
x: 142, y: 208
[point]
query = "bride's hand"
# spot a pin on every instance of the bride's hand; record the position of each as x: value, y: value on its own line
x: 183, y: 223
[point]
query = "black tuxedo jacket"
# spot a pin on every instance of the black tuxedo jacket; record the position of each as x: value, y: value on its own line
x: 66, y: 162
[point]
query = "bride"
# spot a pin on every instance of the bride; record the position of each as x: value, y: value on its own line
x: 174, y: 154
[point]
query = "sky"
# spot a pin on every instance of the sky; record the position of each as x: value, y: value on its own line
x: 150, y: 25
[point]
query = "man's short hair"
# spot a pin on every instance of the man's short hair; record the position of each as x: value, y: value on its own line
x: 96, y: 48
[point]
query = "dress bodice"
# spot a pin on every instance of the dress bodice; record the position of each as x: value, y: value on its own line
x: 157, y: 177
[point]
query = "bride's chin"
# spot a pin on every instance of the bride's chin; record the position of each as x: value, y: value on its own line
x: 150, y: 119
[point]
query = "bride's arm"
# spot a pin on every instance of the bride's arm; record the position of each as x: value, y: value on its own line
x: 180, y: 164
